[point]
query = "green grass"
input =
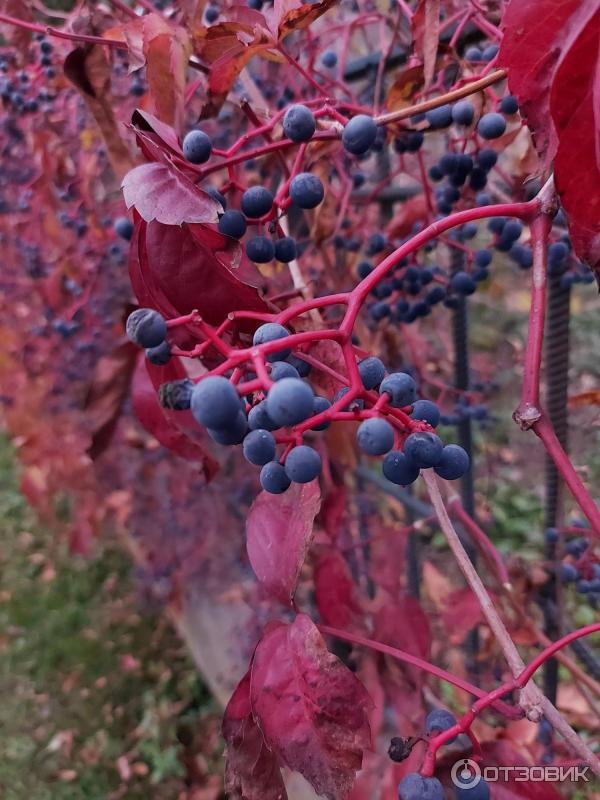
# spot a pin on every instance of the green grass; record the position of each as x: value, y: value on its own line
x: 88, y: 682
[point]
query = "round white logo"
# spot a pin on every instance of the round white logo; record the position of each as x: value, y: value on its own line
x: 466, y: 773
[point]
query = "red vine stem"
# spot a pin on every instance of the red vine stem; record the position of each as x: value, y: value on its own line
x: 503, y: 708
x: 521, y: 680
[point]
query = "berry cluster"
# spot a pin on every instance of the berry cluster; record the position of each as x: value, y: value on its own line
x: 271, y: 403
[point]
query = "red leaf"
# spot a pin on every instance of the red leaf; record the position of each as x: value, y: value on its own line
x: 333, y: 510
x: 537, y: 34
x: 148, y: 127
x: 162, y: 423
x: 575, y: 107
x: 279, y: 531
x: 335, y: 591
x: 461, y: 614
x: 402, y: 623
x: 110, y: 387
x: 312, y: 710
x: 252, y: 770
x: 165, y: 49
x: 413, y: 210
x: 500, y: 754
x: 551, y: 51
x: 179, y: 269
x: 426, y: 31
x: 163, y: 193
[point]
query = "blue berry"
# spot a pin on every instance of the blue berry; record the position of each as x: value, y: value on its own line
x: 197, y: 147
x: 380, y: 311
x: 440, y: 117
x: 320, y: 404
x: 303, y: 464
x: 146, y: 327
x: 491, y: 126
x: 273, y: 478
x: 427, y: 411
x: 159, y: 355
x: 453, y: 464
x: 414, y: 140
x: 233, y: 223
x: 483, y: 258
x: 211, y: 14
x: 303, y: 367
x: 281, y: 369
x: 462, y: 283
x: 522, y: 255
x: 215, y: 402
x: 479, y: 791
x: 509, y: 104
x: 353, y: 405
x: 424, y: 449
x: 375, y: 436
x: 124, y: 228
x: 359, y: 134
x: 260, y: 249
x: 269, y: 332
x: 258, y: 417
x: 217, y: 195
x: 487, y: 158
x: 299, y: 123
x: 551, y: 535
x: 478, y: 179
x: 489, y: 52
x: 259, y: 447
x: 545, y: 731
x: 399, y: 469
x: 416, y: 787
x: 439, y: 720
x: 557, y: 252
x: 285, y: 249
x: 306, y: 190
x: 233, y: 432
x: 329, y: 59
x: 463, y: 112
x: 473, y: 54
x: 568, y: 573
x: 371, y: 371
x: 436, y: 295
x: 256, y: 202
x: 377, y: 243
x: 401, y: 388
x: 289, y: 401
x: 364, y: 268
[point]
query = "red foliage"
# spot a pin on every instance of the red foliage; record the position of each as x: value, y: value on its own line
x: 72, y: 383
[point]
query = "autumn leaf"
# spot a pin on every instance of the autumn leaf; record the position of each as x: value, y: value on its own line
x: 313, y: 712
x: 591, y: 398
x: 551, y: 52
x: 426, y: 31
x: 279, y: 531
x: 164, y: 48
x: 90, y: 72
x: 336, y: 593
x: 252, y: 770
x: 406, y: 83
x: 163, y: 193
